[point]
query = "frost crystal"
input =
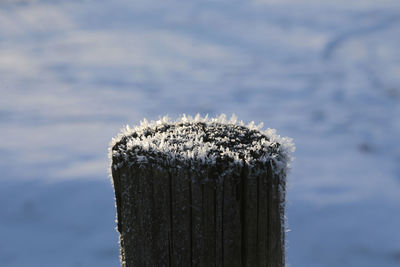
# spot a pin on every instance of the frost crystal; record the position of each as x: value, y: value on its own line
x: 201, y: 140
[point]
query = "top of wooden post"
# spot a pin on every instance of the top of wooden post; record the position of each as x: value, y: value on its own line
x: 200, y: 140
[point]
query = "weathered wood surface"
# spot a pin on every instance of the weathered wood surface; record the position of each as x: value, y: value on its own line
x: 194, y: 214
x: 181, y: 217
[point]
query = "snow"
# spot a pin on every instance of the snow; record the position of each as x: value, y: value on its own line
x: 183, y: 140
x: 325, y: 73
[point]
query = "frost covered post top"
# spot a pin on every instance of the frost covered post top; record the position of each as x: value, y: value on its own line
x: 201, y: 141
x: 200, y: 192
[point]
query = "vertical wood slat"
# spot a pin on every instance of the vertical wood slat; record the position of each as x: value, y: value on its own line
x: 219, y: 221
x: 262, y: 219
x: 181, y: 214
x: 275, y: 224
x: 250, y: 210
x: 208, y: 220
x: 196, y: 222
x: 232, y: 221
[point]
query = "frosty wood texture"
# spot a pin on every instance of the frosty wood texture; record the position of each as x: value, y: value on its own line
x: 200, y: 193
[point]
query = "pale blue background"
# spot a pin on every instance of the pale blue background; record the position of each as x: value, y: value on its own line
x: 326, y: 73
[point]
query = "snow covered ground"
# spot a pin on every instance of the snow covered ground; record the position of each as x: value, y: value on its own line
x: 326, y: 73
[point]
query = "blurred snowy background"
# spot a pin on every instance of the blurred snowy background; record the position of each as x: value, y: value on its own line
x: 326, y: 73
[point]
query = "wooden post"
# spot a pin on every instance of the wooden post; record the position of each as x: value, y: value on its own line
x: 200, y: 192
